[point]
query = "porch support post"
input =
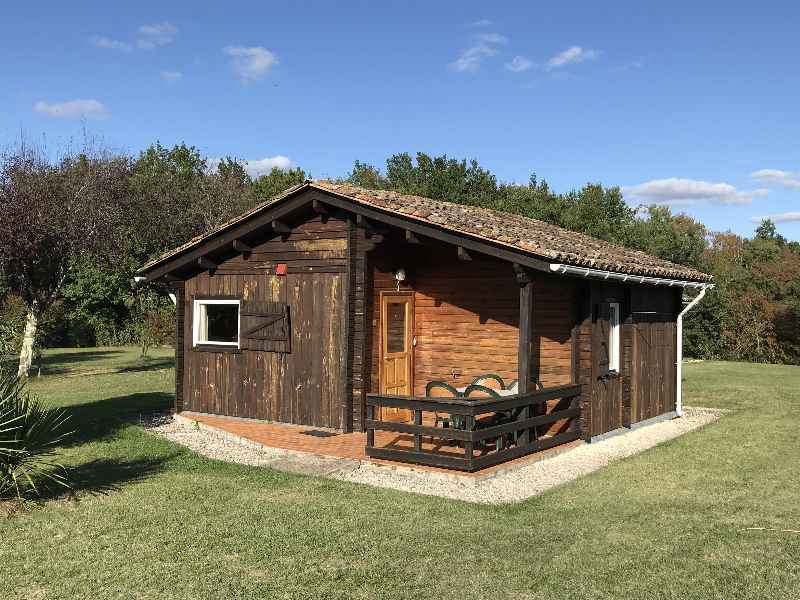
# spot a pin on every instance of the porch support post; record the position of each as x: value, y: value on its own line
x: 525, y: 328
x: 525, y: 344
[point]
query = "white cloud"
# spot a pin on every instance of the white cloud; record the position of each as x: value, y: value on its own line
x: 153, y: 36
x: 470, y: 59
x: 171, y: 76
x: 107, y: 43
x: 519, y: 64
x: 72, y: 109
x: 786, y: 217
x: 251, y: 64
x: 572, y: 55
x: 481, y: 23
x: 777, y: 177
x: 690, y: 191
x: 492, y: 38
x: 258, y: 167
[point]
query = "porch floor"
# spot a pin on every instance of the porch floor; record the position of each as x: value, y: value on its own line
x: 327, y: 443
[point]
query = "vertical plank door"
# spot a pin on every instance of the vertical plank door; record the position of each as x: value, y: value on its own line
x: 396, y: 366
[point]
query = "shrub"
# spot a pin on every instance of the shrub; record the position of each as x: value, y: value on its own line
x: 29, y: 435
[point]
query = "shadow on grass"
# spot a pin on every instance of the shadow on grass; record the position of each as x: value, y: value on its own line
x: 58, y: 365
x: 103, y: 476
x: 102, y: 419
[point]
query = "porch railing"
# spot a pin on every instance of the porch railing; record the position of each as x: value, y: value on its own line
x: 483, y: 431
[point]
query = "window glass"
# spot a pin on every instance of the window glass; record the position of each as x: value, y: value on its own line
x: 395, y: 327
x: 613, y: 338
x: 223, y: 322
x: 216, y: 322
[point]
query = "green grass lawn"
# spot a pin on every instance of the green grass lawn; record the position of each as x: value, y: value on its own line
x: 152, y: 520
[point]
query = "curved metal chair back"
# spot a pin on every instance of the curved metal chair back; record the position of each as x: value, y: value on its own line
x: 490, y: 380
x: 440, y: 389
x: 480, y: 391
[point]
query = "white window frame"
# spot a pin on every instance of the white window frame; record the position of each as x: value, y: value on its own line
x: 196, y: 315
x: 613, y: 337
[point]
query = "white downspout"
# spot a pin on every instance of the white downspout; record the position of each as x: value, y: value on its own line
x: 679, y: 358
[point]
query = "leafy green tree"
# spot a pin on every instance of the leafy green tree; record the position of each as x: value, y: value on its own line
x: 51, y: 214
x: 677, y: 238
x: 232, y: 170
x: 441, y: 178
x: 276, y: 181
x: 367, y: 176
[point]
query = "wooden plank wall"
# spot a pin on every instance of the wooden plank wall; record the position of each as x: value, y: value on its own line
x: 304, y: 386
x: 654, y: 346
x: 553, y: 318
x: 180, y: 310
x: 466, y: 313
x: 467, y: 316
x: 648, y: 345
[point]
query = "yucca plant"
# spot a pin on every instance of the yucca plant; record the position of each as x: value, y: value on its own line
x: 30, y: 432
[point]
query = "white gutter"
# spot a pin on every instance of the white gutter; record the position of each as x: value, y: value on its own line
x: 679, y: 353
x: 624, y: 277
x: 598, y: 274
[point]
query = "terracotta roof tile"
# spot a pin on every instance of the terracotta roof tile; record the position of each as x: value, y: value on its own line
x: 515, y: 231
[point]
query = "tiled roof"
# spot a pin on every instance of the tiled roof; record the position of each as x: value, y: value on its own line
x: 531, y: 236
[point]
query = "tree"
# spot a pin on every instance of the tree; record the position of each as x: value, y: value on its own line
x: 50, y: 214
x: 276, y: 181
x: 367, y: 176
x: 677, y: 238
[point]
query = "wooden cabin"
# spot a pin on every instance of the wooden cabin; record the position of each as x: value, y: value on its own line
x: 337, y: 307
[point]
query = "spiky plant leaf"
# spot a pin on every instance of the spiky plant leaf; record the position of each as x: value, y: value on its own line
x: 30, y: 433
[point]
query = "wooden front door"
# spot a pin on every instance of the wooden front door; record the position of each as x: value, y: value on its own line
x: 607, y: 413
x: 397, y: 352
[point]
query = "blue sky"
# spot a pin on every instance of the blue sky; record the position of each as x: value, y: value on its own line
x: 692, y: 104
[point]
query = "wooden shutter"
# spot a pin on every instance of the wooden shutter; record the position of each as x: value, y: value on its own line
x: 265, y: 326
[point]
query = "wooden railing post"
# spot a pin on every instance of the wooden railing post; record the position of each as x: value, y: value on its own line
x: 525, y: 435
x: 469, y: 447
x: 417, y: 437
x: 370, y: 429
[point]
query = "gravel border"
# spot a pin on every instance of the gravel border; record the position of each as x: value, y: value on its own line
x: 525, y: 481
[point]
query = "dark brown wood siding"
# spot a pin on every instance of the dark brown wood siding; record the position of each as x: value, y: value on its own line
x: 179, y: 344
x: 647, y: 384
x: 305, y: 384
x: 653, y: 349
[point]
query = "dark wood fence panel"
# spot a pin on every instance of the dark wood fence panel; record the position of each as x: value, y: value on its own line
x: 478, y: 438
x: 653, y: 386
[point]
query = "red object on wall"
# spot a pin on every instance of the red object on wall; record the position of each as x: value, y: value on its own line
x: 280, y: 269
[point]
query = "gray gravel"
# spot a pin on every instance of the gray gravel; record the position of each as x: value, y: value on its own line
x: 513, y: 485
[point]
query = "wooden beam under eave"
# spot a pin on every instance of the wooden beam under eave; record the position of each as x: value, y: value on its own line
x: 463, y: 254
x: 411, y: 238
x: 240, y: 246
x: 322, y: 210
x: 205, y: 263
x: 281, y: 227
x: 361, y: 221
x: 319, y: 207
